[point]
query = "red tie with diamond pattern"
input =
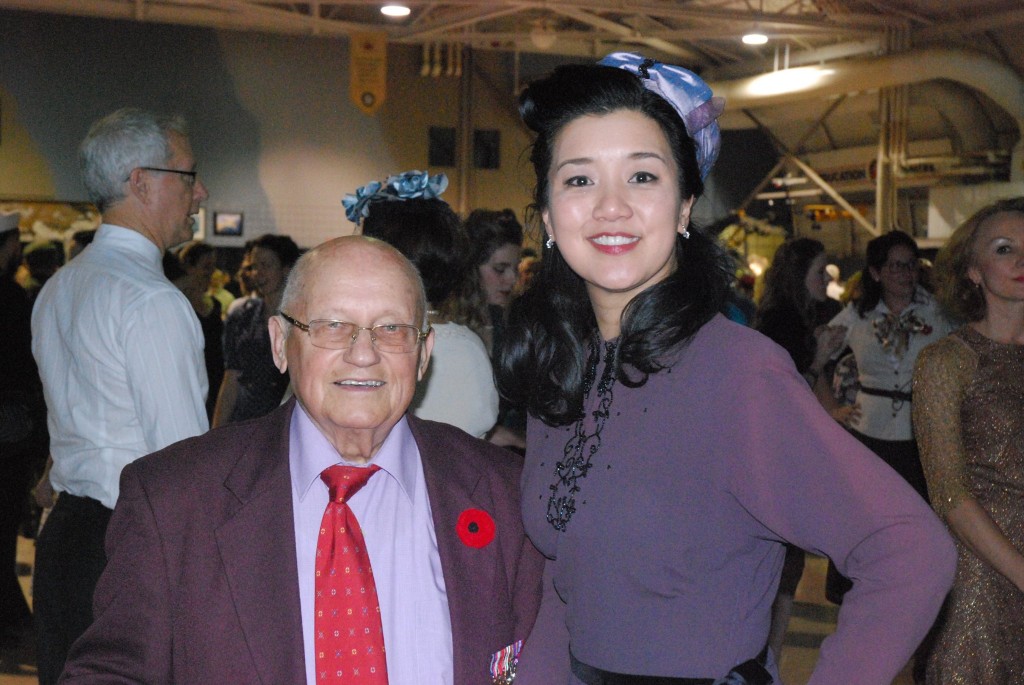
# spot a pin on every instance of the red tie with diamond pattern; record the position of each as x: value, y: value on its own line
x: 349, y: 637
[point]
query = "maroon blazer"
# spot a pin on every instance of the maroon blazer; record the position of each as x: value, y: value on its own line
x: 201, y: 580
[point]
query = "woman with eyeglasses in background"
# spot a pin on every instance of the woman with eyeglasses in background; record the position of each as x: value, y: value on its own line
x: 886, y: 329
x: 894, y: 319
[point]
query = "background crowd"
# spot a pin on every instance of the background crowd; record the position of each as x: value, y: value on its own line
x: 606, y: 357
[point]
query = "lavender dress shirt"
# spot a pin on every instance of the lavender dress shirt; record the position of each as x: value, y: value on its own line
x: 393, y: 511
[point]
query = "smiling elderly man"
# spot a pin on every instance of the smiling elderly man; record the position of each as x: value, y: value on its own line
x: 230, y: 562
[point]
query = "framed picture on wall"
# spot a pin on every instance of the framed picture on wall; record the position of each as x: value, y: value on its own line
x: 227, y: 223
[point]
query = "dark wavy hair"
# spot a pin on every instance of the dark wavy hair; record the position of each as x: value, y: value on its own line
x: 281, y: 245
x: 490, y: 229
x: 430, y: 235
x: 487, y: 231
x: 194, y: 250
x: 785, y: 282
x: 173, y: 269
x: 877, y: 254
x: 957, y: 292
x: 541, y: 363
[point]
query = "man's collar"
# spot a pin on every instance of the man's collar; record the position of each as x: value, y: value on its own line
x: 311, y: 452
x: 129, y: 238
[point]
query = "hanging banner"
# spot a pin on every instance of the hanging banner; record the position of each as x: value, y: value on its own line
x: 369, y: 70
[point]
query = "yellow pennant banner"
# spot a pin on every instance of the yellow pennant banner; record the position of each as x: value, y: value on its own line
x: 369, y: 70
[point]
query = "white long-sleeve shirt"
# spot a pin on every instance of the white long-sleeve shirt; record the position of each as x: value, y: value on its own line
x: 889, y: 369
x: 459, y: 386
x: 120, y: 353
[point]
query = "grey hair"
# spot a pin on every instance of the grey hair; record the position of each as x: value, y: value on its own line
x: 120, y: 142
x: 295, y: 284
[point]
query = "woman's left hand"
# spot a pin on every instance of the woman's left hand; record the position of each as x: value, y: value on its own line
x: 829, y: 339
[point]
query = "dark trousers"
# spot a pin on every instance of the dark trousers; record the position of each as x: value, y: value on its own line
x: 15, y: 475
x: 69, y: 561
x: 902, y: 455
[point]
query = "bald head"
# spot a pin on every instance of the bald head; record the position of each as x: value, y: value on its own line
x: 355, y: 393
x: 350, y: 252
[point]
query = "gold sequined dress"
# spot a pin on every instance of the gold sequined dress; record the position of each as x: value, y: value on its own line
x: 968, y: 413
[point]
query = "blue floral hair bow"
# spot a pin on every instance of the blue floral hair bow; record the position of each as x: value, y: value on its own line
x: 688, y: 94
x: 404, y: 186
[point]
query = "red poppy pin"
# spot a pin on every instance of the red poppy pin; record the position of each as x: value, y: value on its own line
x: 475, y: 528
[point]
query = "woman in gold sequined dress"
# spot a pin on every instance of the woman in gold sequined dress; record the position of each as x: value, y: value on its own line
x: 969, y: 421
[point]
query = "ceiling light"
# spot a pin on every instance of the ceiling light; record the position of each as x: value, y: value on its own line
x: 543, y: 35
x: 755, y: 38
x: 395, y: 11
x: 788, y: 81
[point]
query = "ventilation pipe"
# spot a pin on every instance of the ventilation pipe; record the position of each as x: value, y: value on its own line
x: 968, y: 127
x: 980, y: 72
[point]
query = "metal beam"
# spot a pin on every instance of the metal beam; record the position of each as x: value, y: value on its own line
x: 781, y: 163
x: 222, y: 14
x: 625, y: 32
x: 451, y: 22
x: 834, y: 194
x: 815, y: 178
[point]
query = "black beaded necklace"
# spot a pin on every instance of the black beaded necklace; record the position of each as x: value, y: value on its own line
x: 581, y: 447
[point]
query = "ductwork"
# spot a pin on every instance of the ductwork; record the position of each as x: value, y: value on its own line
x: 969, y: 129
x: 996, y: 80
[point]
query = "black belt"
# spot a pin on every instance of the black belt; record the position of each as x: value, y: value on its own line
x: 752, y: 671
x: 891, y: 394
x: 80, y: 503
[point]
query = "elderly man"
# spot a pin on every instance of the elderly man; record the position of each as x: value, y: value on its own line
x: 234, y: 559
x: 120, y: 353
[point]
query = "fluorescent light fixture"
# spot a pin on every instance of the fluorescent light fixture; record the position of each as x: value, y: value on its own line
x: 755, y: 38
x: 788, y: 80
x: 395, y: 11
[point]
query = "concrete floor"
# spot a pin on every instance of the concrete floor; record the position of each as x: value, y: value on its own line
x: 813, y: 620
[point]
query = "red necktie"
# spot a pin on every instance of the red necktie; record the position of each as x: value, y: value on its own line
x: 349, y: 637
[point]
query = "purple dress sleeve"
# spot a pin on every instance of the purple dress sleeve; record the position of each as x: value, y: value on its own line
x: 670, y: 563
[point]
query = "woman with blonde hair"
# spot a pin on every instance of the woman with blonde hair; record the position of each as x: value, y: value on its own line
x: 969, y: 422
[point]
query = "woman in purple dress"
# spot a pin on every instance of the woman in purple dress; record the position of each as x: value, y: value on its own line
x: 670, y: 452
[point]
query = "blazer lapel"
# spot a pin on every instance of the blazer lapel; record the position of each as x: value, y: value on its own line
x: 257, y: 547
x: 471, y: 575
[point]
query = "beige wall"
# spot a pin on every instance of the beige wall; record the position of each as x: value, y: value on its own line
x: 24, y: 174
x: 273, y: 128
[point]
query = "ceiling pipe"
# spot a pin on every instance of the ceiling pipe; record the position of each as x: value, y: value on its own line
x: 996, y: 80
x: 968, y: 127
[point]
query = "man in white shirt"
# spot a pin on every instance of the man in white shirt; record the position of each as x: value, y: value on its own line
x: 215, y: 544
x: 120, y: 353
